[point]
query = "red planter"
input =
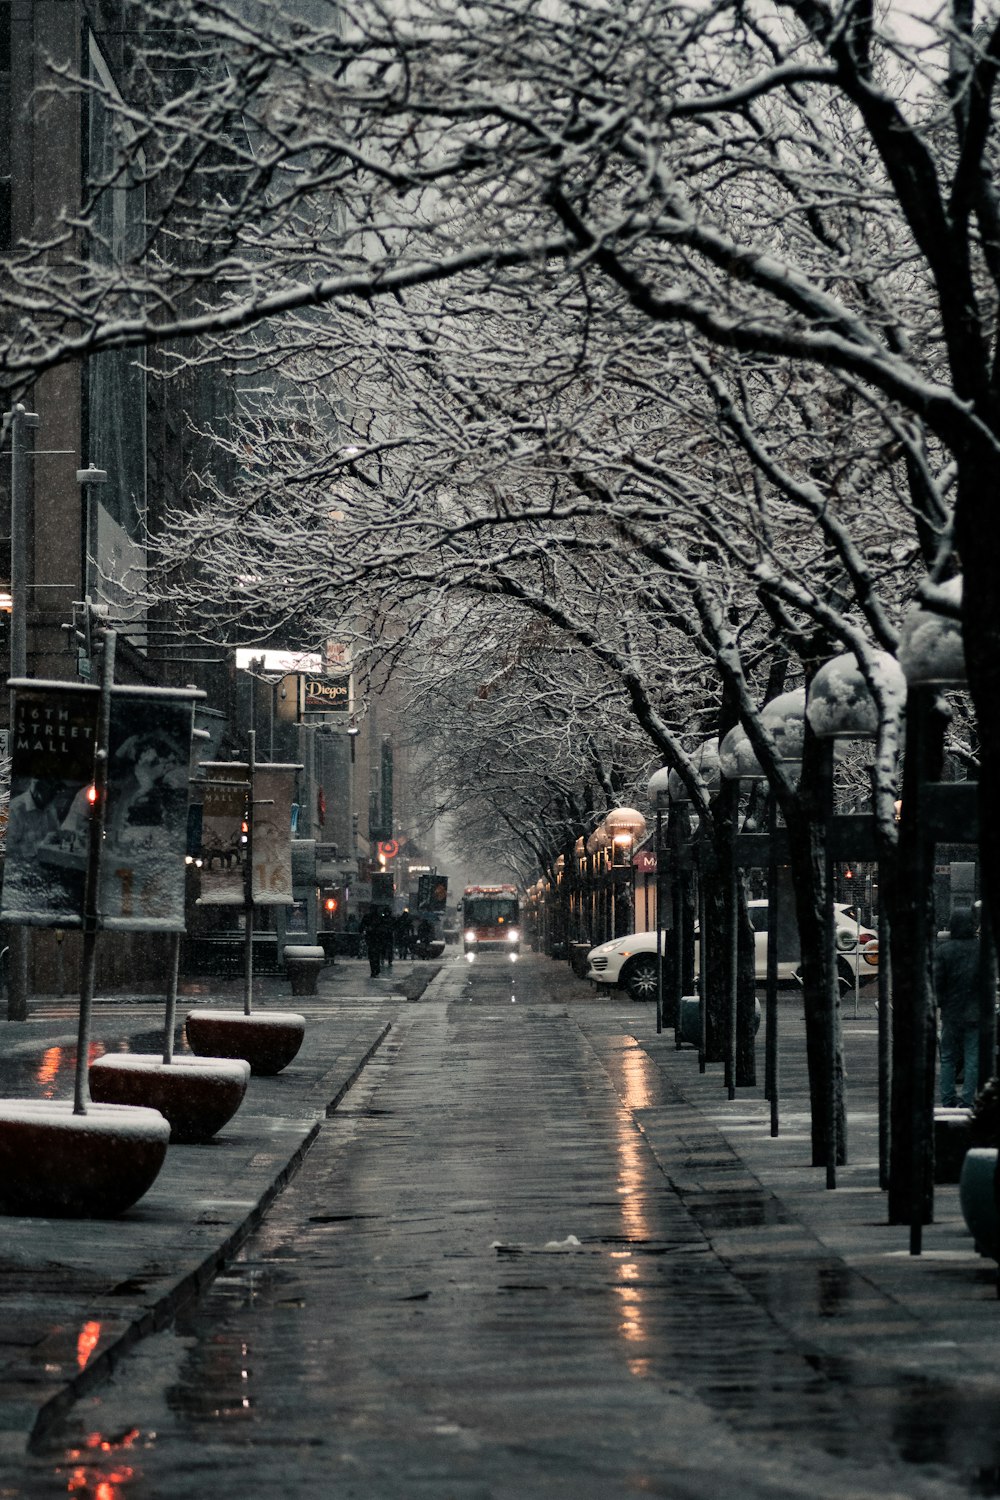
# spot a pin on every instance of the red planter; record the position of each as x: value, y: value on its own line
x: 196, y: 1095
x: 268, y: 1040
x: 57, y: 1164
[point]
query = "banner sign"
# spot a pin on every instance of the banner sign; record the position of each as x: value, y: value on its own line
x: 223, y: 816
x: 145, y: 835
x: 48, y: 831
x: 52, y: 765
x: 273, y: 792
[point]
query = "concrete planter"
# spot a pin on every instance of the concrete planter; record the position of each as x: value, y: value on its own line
x: 303, y: 965
x: 195, y: 1095
x: 268, y: 1040
x: 977, y: 1196
x: 56, y: 1164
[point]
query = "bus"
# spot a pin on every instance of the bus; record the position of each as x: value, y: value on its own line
x: 491, y: 919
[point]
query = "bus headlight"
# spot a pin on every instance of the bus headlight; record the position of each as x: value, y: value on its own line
x: 470, y: 936
x: 513, y: 936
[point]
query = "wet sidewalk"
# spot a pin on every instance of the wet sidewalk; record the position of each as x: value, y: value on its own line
x: 931, y: 1319
x: 915, y: 1334
x: 76, y: 1294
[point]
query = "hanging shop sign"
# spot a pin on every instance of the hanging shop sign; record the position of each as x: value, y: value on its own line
x: 329, y: 694
x: 301, y: 694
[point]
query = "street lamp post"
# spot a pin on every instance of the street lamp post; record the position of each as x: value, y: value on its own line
x: 20, y: 421
x: 841, y: 707
x: 659, y: 794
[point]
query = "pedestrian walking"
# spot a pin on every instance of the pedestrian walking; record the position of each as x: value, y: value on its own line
x: 404, y: 933
x: 956, y: 989
x: 376, y: 928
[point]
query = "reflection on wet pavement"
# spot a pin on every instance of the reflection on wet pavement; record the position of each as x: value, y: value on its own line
x: 486, y: 1282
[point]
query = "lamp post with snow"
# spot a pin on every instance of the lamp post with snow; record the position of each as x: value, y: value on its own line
x: 841, y: 708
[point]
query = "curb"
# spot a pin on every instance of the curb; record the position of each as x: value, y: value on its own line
x: 166, y: 1307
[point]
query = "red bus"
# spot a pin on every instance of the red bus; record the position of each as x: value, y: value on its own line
x: 491, y: 919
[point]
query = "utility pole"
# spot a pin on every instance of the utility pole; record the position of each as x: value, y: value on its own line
x: 20, y: 420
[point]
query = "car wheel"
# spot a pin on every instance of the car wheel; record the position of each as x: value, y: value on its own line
x: 639, y: 978
x: 845, y: 976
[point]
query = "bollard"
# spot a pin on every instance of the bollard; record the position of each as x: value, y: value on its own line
x: 303, y: 963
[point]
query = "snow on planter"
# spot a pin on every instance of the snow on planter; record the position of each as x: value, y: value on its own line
x: 841, y: 705
x: 58, y: 1164
x: 930, y: 647
x: 196, y: 1095
x: 268, y: 1040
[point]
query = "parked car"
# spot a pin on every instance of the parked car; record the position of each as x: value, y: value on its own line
x: 630, y: 962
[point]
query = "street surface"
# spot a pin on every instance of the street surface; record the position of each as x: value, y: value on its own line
x: 482, y: 1283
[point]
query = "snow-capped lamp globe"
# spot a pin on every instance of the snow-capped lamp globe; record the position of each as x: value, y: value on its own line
x: 625, y: 827
x: 705, y: 760
x: 737, y: 759
x: 598, y: 841
x: 931, y: 651
x: 785, y: 720
x: 840, y: 704
x: 658, y: 788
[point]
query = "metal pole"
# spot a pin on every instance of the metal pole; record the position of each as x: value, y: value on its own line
x: 248, y: 881
x: 832, y: 997
x: 884, y: 1044
x: 20, y: 420
x: 659, y: 916
x: 98, y: 818
x: 771, y: 1076
x: 170, y: 1017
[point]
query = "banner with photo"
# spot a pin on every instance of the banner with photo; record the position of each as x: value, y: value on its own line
x: 146, y: 826
x: 52, y: 768
x: 273, y: 794
x: 223, y: 836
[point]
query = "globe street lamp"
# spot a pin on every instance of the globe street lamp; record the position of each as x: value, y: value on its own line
x: 842, y: 707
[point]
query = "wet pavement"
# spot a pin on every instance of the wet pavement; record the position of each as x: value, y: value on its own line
x: 532, y: 1251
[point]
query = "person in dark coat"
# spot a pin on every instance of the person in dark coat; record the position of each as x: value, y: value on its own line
x: 404, y: 933
x: 376, y: 927
x: 956, y: 988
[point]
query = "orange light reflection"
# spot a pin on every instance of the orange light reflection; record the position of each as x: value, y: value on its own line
x: 635, y: 1224
x: 86, y: 1343
x: 90, y: 1482
x: 49, y: 1069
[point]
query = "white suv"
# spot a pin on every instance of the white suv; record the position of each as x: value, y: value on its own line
x: 631, y: 961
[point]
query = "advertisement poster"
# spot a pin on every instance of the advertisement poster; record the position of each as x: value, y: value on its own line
x: 52, y: 766
x: 145, y: 834
x: 273, y: 793
x: 223, y: 840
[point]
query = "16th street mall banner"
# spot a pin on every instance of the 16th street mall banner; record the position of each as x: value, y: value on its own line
x: 224, y: 815
x: 52, y: 770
